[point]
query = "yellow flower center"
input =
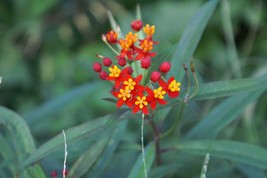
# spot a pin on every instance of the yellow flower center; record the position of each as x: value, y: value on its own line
x: 158, y: 93
x: 141, y: 102
x: 131, y: 38
x: 125, y: 45
x: 114, y: 71
x: 129, y: 84
x: 146, y: 45
x: 149, y: 30
x: 124, y: 94
x: 174, y: 86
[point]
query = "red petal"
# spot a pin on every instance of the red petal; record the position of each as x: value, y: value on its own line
x: 170, y: 79
x: 173, y: 94
x: 117, y: 84
x: 152, y: 54
x: 120, y: 103
x: 161, y: 101
x: 153, y: 105
x: 129, y: 103
x: 138, y: 78
x: 145, y: 110
x: 136, y: 109
x: 115, y: 93
x: 149, y: 91
x: 139, y: 56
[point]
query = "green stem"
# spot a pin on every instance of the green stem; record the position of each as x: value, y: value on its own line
x: 197, y: 85
x: 114, y: 50
x: 142, y: 142
x: 156, y: 135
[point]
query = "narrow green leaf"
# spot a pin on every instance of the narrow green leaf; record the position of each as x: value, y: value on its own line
x: 114, y: 24
x: 226, y: 88
x: 138, y: 168
x: 59, y: 103
x: 223, y: 114
x: 190, y: 39
x: 34, y: 171
x: 87, y: 129
x: 7, y: 155
x: 20, y: 132
x: 251, y: 171
x: 84, y: 163
x: 231, y: 150
x: 164, y: 170
x: 110, y: 149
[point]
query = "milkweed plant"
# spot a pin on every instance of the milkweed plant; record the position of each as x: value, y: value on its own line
x: 147, y: 87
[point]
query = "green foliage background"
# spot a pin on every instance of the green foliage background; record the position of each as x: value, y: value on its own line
x: 47, y: 49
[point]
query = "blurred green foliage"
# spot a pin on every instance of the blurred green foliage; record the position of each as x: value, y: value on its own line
x: 46, y: 53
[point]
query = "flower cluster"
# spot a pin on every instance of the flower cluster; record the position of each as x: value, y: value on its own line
x: 129, y: 88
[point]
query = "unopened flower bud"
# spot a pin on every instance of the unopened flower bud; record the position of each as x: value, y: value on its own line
x: 97, y: 67
x: 103, y: 75
x: 155, y: 76
x: 136, y: 25
x: 165, y: 67
x: 54, y: 174
x: 107, y: 61
x: 121, y: 61
x: 112, y: 36
x: 129, y: 70
x: 146, y: 62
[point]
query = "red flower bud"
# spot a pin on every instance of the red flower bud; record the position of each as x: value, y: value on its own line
x: 65, y: 173
x: 146, y: 62
x: 97, y: 67
x: 112, y: 36
x: 165, y: 67
x: 54, y: 174
x: 136, y: 25
x: 122, y: 61
x: 155, y: 76
x: 129, y: 70
x: 107, y: 61
x: 103, y: 75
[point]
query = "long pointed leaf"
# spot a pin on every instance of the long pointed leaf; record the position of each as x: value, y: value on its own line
x: 84, y: 163
x: 231, y: 150
x: 226, y: 88
x: 190, y: 39
x: 87, y: 129
x: 20, y: 132
x: 138, y: 168
x: 59, y: 103
x: 223, y: 114
x: 107, y: 154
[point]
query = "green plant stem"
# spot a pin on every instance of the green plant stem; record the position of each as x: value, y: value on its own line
x: 197, y: 85
x: 188, y: 83
x: 156, y: 135
x: 142, y: 142
x: 176, y: 124
x: 114, y: 50
x: 205, y: 166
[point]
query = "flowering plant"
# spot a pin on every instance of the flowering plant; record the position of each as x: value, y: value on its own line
x: 129, y: 87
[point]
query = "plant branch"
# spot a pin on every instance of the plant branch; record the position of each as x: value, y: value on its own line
x: 156, y: 135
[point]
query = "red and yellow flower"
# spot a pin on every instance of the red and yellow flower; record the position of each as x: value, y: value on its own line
x: 128, y: 88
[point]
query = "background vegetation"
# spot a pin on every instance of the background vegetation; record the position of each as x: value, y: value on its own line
x: 46, y: 53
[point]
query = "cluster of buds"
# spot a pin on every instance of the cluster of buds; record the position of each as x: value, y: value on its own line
x: 129, y: 87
